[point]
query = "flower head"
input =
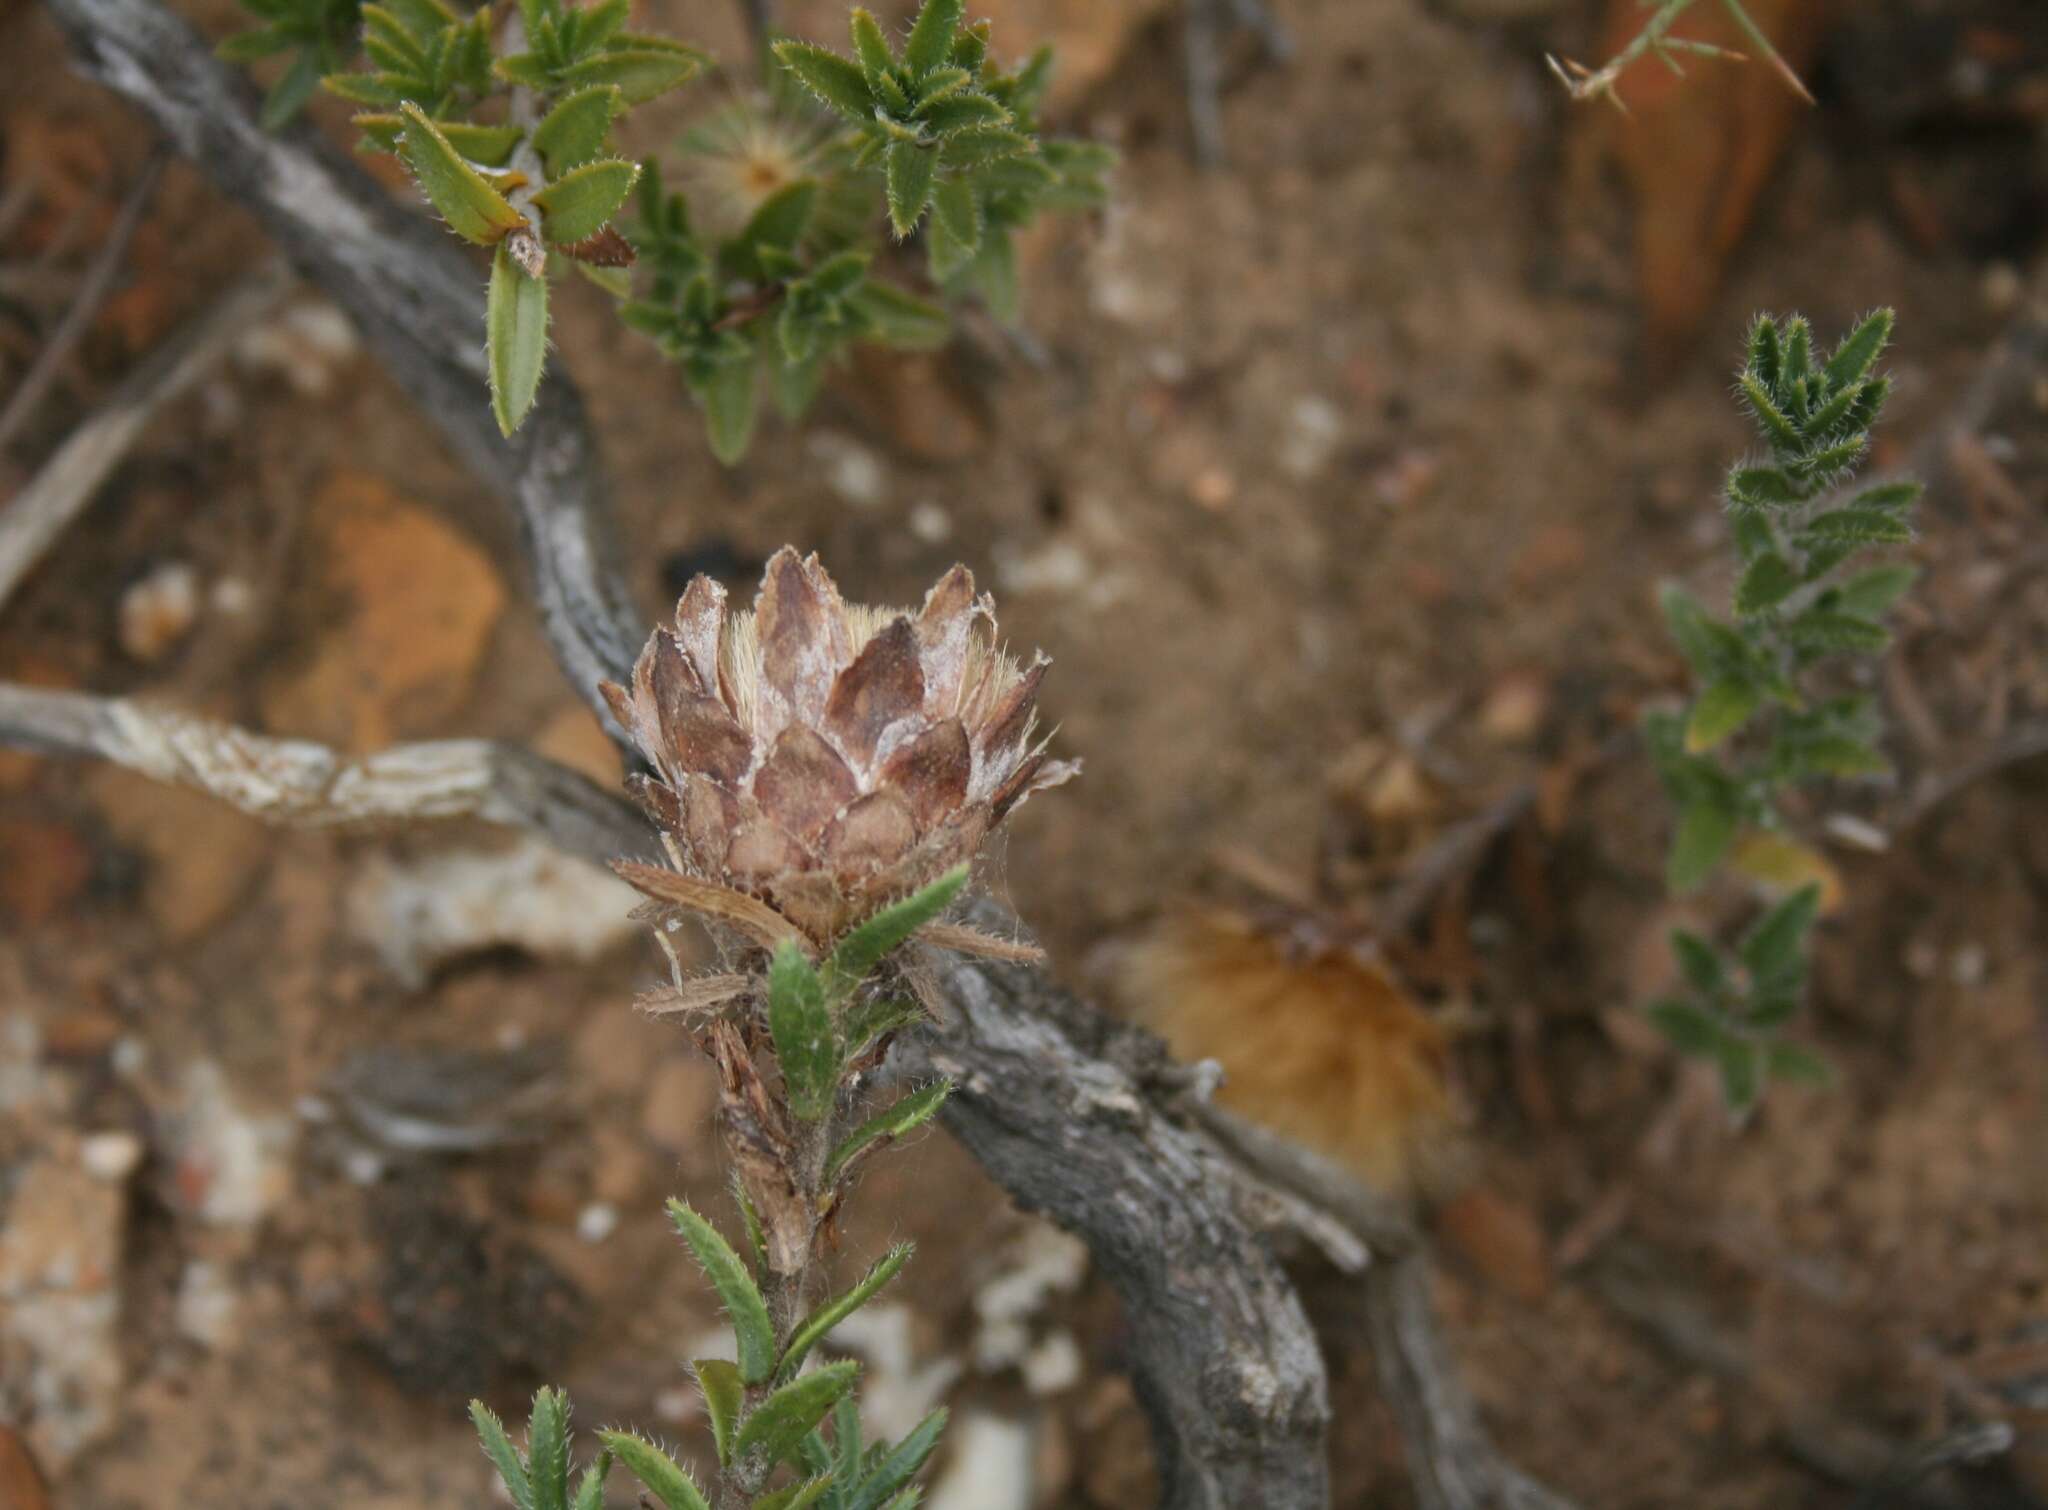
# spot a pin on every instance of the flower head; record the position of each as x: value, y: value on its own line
x: 824, y: 758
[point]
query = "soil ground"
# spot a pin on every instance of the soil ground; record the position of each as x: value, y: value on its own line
x: 1346, y: 451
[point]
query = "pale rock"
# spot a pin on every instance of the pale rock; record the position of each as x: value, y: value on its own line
x: 420, y: 914
x: 990, y: 1465
x: 233, y: 1165
x: 1309, y: 440
x: 208, y: 1307
x: 158, y: 611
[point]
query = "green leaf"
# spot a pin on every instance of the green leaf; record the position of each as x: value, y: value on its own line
x: 1802, y: 1066
x: 473, y: 209
x: 1765, y: 583
x: 985, y: 144
x: 1706, y: 827
x: 257, y: 42
x: 899, y: 1466
x: 995, y: 275
x: 725, y: 1395
x: 857, y: 954
x: 798, y: 1496
x: 1895, y: 496
x: 1741, y: 1066
x: 581, y: 203
x: 910, y: 170
x: 868, y: 1020
x: 782, y: 217
x: 1840, y: 756
x: 547, y: 1450
x: 1860, y: 349
x: 574, y: 132
x: 288, y: 96
x: 870, y: 46
x: 821, y: 1321
x: 1699, y: 963
x: 1709, y: 647
x: 913, y: 1111
x: 901, y: 320
x: 731, y: 402
x: 777, y: 1426
x: 1774, y: 949
x: 1774, y: 1010
x: 503, y: 1455
x: 931, y: 36
x: 736, y: 1289
x: 489, y: 145
x: 757, y: 1240
x: 968, y: 111
x: 590, y: 1488
x: 836, y: 81
x: 1722, y: 708
x: 1770, y: 419
x: 664, y: 1480
x: 1870, y: 595
x: 1691, y: 1028
x: 640, y: 73
x: 1766, y: 359
x: 1858, y: 527
x: 806, y: 1045
x: 1819, y: 629
x: 1762, y: 488
x: 516, y: 338
x: 955, y: 208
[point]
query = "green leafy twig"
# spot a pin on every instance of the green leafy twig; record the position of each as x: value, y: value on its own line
x: 1759, y: 725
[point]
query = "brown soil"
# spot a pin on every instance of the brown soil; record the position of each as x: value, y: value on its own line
x: 1343, y: 444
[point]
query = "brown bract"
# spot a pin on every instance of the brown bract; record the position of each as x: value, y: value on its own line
x: 825, y: 758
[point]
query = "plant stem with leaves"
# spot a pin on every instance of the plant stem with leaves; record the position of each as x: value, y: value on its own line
x: 1763, y: 720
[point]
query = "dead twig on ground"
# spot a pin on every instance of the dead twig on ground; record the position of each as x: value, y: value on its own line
x: 300, y: 784
x: 92, y: 293
x: 35, y: 517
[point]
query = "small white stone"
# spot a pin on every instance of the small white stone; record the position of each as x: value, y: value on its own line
x: 1969, y: 965
x: 207, y: 1305
x: 129, y: 1056
x: 158, y: 611
x: 1314, y: 428
x: 597, y: 1221
x: 110, y: 1156
x: 362, y: 1167
x: 930, y: 523
x: 851, y: 470
x: 1052, y: 1366
x: 990, y: 1467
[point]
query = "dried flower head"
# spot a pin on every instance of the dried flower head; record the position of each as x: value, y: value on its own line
x: 816, y: 759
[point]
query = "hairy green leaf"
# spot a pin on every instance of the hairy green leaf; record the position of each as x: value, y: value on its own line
x: 931, y: 36
x: 1741, y: 1064
x: 736, y: 1289
x: 913, y: 1111
x: 1706, y: 828
x: 547, y: 1450
x: 1774, y: 949
x: 856, y: 954
x: 910, y: 170
x: 574, y: 132
x: 1893, y: 496
x: 1698, y: 963
x: 473, y: 209
x: 725, y: 1395
x: 956, y: 208
x: 657, y: 1470
x: 1860, y: 349
x: 1802, y: 1066
x: 488, y: 145
x: 871, y: 46
x: 640, y: 73
x: 582, y: 202
x: 1821, y: 630
x: 1757, y: 487
x: 1870, y: 595
x: 516, y: 338
x: 776, y: 1426
x: 1691, y: 1028
x: 590, y: 1488
x: 899, y: 319
x: 288, y: 96
x: 503, y: 1455
x: 821, y: 1321
x: 1722, y: 708
x: 894, y: 1471
x: 1765, y: 583
x: 798, y: 1496
x: 1777, y: 428
x: 731, y: 400
x: 806, y: 1044
x: 836, y: 81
